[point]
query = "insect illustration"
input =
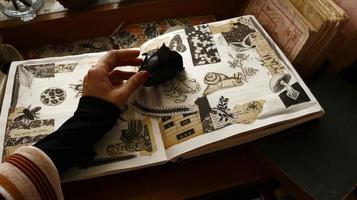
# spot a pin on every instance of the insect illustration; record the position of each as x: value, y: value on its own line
x: 77, y: 88
x: 176, y: 44
x: 28, y: 114
x: 150, y: 30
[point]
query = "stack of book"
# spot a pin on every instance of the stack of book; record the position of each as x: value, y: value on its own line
x: 306, y: 30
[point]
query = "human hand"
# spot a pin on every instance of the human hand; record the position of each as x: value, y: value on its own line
x: 103, y: 82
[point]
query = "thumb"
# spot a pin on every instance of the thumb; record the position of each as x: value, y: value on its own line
x: 134, y: 82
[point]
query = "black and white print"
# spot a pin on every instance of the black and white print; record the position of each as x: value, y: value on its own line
x: 180, y: 87
x: 124, y: 39
x: 78, y: 88
x: 202, y: 46
x: 97, y: 44
x: 160, y: 111
x: 222, y: 110
x: 49, y: 70
x: 9, y: 141
x: 288, y: 101
x: 53, y: 96
x: 134, y: 139
x: 245, y: 72
x: 176, y: 44
x: 239, y: 37
x: 218, y: 81
x: 150, y: 29
x: 28, y: 114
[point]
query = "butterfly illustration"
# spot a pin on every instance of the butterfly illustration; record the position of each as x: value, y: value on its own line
x: 176, y: 44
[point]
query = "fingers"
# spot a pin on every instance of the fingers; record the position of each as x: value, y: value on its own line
x: 131, y: 62
x: 116, y: 58
x: 116, y: 77
x: 123, y: 75
x: 134, y: 82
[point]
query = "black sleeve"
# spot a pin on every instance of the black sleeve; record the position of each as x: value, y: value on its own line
x: 72, y: 142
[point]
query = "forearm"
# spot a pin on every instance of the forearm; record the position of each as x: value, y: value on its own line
x: 29, y: 173
x: 72, y: 142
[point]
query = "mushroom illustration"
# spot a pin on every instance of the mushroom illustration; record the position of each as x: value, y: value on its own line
x: 281, y: 81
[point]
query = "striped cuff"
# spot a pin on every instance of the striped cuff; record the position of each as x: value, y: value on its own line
x: 29, y: 174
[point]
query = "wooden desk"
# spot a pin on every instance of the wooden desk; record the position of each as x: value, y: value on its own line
x: 190, y: 178
x: 103, y: 20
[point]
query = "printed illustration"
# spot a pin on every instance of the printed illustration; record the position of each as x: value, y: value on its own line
x: 25, y: 140
x: 53, y: 96
x: 124, y: 39
x: 179, y: 128
x: 180, y: 87
x: 161, y: 111
x: 270, y: 60
x: 246, y: 72
x: 248, y: 112
x: 214, y: 118
x: 78, y: 88
x: 28, y: 114
x: 238, y: 35
x: 281, y: 81
x: 204, y: 111
x: 176, y: 44
x: 222, y: 110
x: 24, y: 76
x: 221, y: 115
x: 150, y: 29
x: 97, y: 44
x: 49, y: 70
x: 138, y: 137
x: 217, y: 81
x: 265, y: 48
x: 202, y: 46
x: 288, y: 101
x: 24, y: 127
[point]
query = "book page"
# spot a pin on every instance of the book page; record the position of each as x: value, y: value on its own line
x: 235, y: 80
x: 42, y: 94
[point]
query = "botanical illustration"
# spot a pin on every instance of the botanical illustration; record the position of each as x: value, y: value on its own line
x: 222, y: 110
x: 245, y: 72
x: 221, y: 115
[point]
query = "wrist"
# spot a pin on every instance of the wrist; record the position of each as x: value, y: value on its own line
x: 98, y: 107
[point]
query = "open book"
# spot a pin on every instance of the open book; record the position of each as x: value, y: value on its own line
x: 237, y: 86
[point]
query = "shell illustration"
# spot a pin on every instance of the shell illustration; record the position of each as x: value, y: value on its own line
x: 217, y: 81
x: 213, y: 78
